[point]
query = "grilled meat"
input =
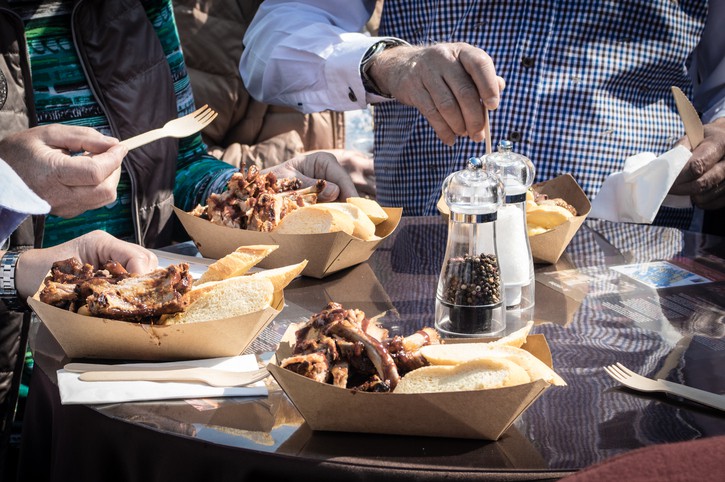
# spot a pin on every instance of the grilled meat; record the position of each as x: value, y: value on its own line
x: 343, y: 347
x: 257, y: 201
x: 112, y: 292
x: 163, y: 291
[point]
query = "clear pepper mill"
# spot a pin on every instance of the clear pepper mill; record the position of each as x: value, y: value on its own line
x: 469, y: 298
x: 517, y: 266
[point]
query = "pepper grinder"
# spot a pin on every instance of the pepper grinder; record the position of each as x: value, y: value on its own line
x: 469, y: 298
x: 517, y: 265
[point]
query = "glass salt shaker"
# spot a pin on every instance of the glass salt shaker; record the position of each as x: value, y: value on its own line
x: 517, y: 266
x: 469, y: 298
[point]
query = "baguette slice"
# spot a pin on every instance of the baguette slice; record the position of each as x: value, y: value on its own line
x: 479, y: 374
x: 370, y: 207
x: 231, y: 297
x: 313, y: 220
x: 364, y: 227
x: 236, y: 263
x: 281, y: 277
x: 458, y: 353
x: 547, y: 216
x: 517, y: 338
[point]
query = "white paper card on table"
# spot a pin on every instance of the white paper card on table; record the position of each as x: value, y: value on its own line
x: 75, y: 391
x: 635, y: 194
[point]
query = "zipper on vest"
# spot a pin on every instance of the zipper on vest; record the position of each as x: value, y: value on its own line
x: 114, y: 130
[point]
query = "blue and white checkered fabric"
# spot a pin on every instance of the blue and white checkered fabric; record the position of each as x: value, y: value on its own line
x: 587, y: 85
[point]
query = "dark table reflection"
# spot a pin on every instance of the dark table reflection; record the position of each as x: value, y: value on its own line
x: 591, y: 315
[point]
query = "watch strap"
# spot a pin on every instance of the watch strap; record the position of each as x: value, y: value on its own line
x: 376, y: 49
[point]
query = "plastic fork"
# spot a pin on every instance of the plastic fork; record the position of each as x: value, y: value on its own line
x: 635, y: 381
x: 210, y: 376
x: 181, y: 127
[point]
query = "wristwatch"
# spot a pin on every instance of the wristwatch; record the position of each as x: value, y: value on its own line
x: 8, y: 292
x: 367, y: 60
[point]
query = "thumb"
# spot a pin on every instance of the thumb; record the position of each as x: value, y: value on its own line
x: 330, y: 192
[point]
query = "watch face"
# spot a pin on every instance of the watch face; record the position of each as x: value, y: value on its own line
x: 3, y: 89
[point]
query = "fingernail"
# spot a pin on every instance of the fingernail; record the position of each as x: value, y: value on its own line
x: 492, y: 102
x: 477, y: 136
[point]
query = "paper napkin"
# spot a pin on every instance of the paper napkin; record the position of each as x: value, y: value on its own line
x: 635, y: 194
x: 75, y: 391
x: 17, y: 201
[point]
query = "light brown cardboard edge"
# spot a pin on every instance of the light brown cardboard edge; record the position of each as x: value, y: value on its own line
x: 56, y: 320
x: 522, y: 396
x: 548, y: 246
x: 341, y: 250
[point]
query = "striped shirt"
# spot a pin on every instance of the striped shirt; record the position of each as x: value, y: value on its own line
x: 63, y: 95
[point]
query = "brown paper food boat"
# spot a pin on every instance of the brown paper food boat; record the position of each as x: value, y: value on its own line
x: 548, y: 247
x: 91, y: 337
x: 325, y: 253
x: 479, y: 414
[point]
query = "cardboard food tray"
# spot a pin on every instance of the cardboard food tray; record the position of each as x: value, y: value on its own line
x: 548, y: 247
x: 325, y: 253
x: 479, y: 414
x: 91, y: 337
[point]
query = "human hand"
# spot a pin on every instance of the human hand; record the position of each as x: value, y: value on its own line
x: 94, y: 248
x: 703, y: 177
x: 449, y: 83
x: 310, y: 167
x: 70, y: 184
x: 360, y: 168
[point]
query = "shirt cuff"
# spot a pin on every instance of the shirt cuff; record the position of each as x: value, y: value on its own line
x: 715, y: 112
x: 342, y: 71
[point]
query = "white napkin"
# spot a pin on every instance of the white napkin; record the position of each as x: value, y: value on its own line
x: 635, y: 194
x: 74, y: 391
x: 17, y: 201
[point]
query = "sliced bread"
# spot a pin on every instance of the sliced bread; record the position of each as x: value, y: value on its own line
x: 236, y: 263
x: 313, y: 220
x: 458, y: 353
x: 364, y: 227
x: 370, y: 207
x: 483, y: 373
x: 281, y: 277
x: 227, y: 298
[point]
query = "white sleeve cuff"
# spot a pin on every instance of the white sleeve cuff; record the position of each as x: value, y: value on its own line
x: 342, y: 71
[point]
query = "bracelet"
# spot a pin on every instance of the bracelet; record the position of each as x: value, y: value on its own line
x: 367, y: 60
x: 7, y: 274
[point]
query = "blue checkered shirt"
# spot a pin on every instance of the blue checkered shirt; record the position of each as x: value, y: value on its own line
x: 587, y: 85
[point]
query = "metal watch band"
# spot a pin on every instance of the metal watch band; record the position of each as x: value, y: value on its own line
x: 366, y: 62
x: 7, y: 274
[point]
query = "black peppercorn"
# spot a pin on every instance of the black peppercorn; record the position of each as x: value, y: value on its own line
x: 472, y: 281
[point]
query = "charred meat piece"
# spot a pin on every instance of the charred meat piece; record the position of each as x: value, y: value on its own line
x: 63, y: 287
x: 376, y: 351
x: 112, y: 292
x: 163, y: 291
x: 339, y: 372
x: 406, y: 351
x: 373, y: 384
x: 312, y: 365
x: 338, y: 335
x: 257, y: 201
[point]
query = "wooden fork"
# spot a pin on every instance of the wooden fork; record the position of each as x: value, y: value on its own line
x: 209, y: 376
x: 635, y: 381
x: 181, y: 127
